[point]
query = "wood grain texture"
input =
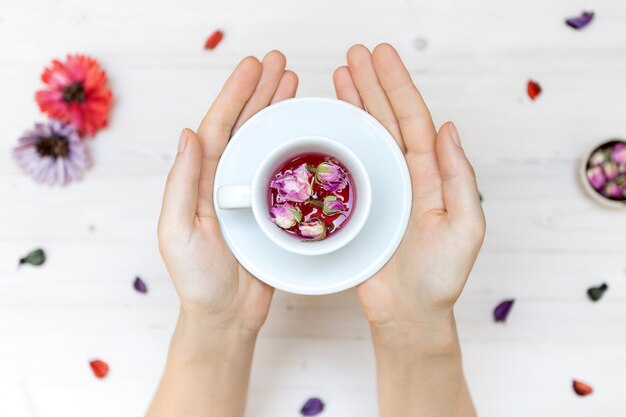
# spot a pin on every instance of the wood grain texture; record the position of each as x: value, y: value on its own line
x: 546, y: 243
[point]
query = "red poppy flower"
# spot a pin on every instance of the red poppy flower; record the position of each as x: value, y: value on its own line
x: 77, y: 93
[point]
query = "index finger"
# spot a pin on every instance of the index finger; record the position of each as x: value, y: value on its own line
x: 217, y: 125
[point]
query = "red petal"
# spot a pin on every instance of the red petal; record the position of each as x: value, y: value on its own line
x: 534, y: 89
x: 214, y: 40
x: 581, y: 388
x: 100, y: 368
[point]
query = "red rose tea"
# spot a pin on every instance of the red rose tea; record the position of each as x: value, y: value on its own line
x: 311, y: 196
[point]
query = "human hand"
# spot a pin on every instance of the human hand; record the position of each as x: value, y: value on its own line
x: 211, y: 284
x: 426, y: 275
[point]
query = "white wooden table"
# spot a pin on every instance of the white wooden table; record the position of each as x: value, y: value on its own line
x: 546, y: 244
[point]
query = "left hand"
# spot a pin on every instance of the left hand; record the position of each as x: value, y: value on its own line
x: 213, y: 288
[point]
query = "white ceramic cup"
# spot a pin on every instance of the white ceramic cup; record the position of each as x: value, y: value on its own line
x: 594, y: 194
x: 254, y: 196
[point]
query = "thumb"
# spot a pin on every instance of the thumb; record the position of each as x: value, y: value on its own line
x: 180, y: 199
x: 460, y: 191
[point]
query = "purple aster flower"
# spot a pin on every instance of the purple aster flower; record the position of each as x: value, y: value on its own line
x: 293, y: 186
x: 330, y: 176
x: 581, y: 21
x: 285, y: 215
x: 52, y: 153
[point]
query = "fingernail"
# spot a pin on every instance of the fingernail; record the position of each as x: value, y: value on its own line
x: 455, y: 135
x: 182, y: 142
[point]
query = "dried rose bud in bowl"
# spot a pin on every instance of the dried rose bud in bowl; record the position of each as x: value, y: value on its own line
x: 603, y: 173
x: 311, y: 196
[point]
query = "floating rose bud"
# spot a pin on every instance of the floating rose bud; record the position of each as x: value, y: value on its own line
x: 502, y: 310
x: 100, y: 368
x: 596, y: 177
x: 595, y: 293
x: 598, y: 157
x: 312, y: 407
x: 295, y: 186
x: 36, y: 258
x: 581, y: 21
x: 533, y: 89
x: 313, y: 230
x: 330, y: 176
x: 285, y: 215
x: 619, y: 153
x: 333, y: 206
x: 581, y: 388
x: 140, y: 286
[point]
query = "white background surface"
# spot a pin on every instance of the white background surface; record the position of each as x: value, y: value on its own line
x: 546, y: 243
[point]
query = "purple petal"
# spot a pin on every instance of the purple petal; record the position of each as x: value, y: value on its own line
x: 140, y: 286
x: 502, y: 310
x: 312, y: 407
x: 581, y: 21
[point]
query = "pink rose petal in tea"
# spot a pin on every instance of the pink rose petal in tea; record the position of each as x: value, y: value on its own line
x: 330, y: 176
x: 313, y: 230
x: 285, y: 215
x: 502, y: 310
x: 333, y: 206
x: 294, y: 186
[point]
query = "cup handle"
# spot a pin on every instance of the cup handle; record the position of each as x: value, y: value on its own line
x: 235, y: 196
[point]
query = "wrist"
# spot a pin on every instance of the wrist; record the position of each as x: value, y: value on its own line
x: 198, y: 335
x: 430, y: 337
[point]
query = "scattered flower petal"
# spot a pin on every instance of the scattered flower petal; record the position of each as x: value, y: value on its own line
x: 581, y: 21
x: 333, y: 206
x: 140, y: 286
x: 330, y: 176
x: 533, y: 89
x: 36, y: 258
x: 52, y: 153
x: 313, y: 230
x: 214, y: 40
x: 285, y: 215
x: 295, y: 186
x: 595, y: 293
x: 502, y: 310
x: 581, y: 388
x: 100, y: 368
x: 312, y: 407
x: 77, y: 93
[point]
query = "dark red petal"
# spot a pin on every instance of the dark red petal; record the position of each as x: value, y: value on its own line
x: 502, y: 310
x: 581, y: 388
x: 534, y: 89
x: 214, y: 40
x: 100, y: 368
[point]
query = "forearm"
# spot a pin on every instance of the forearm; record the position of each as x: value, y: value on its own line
x: 207, y: 371
x: 420, y: 371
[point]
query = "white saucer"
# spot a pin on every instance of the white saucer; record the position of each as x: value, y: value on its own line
x: 391, y: 195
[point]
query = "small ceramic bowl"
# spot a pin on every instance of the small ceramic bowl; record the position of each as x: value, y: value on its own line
x: 585, y: 164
